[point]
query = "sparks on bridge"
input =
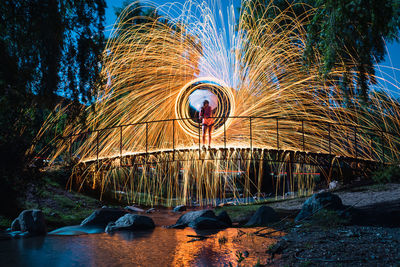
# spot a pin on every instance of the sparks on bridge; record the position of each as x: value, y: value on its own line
x: 267, y: 101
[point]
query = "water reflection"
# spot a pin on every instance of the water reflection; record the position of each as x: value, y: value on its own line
x: 161, y: 247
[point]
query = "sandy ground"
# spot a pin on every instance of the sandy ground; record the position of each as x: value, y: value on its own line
x: 342, y: 246
x: 357, y: 197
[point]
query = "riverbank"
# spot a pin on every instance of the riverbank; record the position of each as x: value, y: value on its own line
x: 369, y: 237
x: 59, y: 205
x: 339, y: 246
x: 364, y: 239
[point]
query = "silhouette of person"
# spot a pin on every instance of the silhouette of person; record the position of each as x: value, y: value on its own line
x: 206, y: 117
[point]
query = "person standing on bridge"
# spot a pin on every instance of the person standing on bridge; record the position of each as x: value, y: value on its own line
x: 206, y: 117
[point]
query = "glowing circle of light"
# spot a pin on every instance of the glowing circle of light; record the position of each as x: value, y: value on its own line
x: 223, y: 105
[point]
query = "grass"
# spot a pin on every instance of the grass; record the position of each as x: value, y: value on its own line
x: 61, y: 210
x: 241, y: 212
x: 5, y: 222
x: 387, y: 174
x: 373, y: 187
x: 328, y: 219
x: 59, y: 206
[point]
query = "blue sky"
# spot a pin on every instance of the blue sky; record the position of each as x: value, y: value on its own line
x: 392, y: 59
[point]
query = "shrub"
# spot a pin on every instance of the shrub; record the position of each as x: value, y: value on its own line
x: 387, y: 174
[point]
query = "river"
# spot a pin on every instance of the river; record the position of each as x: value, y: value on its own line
x: 160, y: 247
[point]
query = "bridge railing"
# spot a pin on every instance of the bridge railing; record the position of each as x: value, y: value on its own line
x: 278, y: 133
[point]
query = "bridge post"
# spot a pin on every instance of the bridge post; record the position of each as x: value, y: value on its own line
x: 383, y: 147
x: 70, y: 149
x: 277, y: 133
x: 97, y: 150
x: 147, y: 141
x: 225, y: 152
x: 251, y: 135
x: 173, y: 139
x: 120, y: 146
x: 302, y: 130
x: 199, y: 139
x: 371, y: 146
x: 329, y: 139
x: 355, y: 142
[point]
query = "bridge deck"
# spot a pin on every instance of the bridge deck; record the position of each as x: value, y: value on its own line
x: 232, y: 153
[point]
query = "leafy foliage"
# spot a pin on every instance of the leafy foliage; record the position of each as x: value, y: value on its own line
x: 349, y: 34
x: 344, y: 31
x: 49, y: 48
x: 387, y: 174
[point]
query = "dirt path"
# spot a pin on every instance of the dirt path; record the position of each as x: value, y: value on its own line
x: 366, y: 243
x: 358, y: 197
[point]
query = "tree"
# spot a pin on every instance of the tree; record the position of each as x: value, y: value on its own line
x: 350, y: 34
x: 50, y: 50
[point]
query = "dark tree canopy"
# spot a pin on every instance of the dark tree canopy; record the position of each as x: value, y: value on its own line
x: 50, y: 50
x: 55, y: 45
x: 347, y: 33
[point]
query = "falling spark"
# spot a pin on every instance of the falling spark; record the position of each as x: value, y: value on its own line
x: 254, y: 68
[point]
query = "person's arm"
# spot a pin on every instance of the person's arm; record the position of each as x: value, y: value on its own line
x: 201, y: 114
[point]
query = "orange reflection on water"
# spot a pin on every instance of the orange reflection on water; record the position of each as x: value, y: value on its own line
x: 221, y: 248
x: 173, y: 247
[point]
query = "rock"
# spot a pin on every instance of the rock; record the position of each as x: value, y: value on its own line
x: 333, y: 185
x: 133, y: 209
x: 31, y: 222
x: 151, y: 210
x: 278, y: 248
x: 263, y: 216
x: 205, y: 223
x: 242, y: 219
x: 224, y: 217
x: 317, y: 202
x: 15, y: 225
x: 103, y: 216
x: 192, y: 215
x: 131, y: 222
x: 176, y: 226
x: 179, y: 208
x: 77, y: 230
x: 189, y: 217
x: 289, y: 194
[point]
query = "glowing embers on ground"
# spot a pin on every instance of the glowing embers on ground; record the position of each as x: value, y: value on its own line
x: 239, y: 175
x: 190, y: 100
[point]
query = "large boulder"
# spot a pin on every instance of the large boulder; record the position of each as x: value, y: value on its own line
x: 317, y: 202
x: 189, y: 217
x: 224, y: 217
x: 131, y: 222
x: 263, y: 216
x: 133, y: 209
x: 31, y: 222
x: 103, y: 216
x: 180, y: 208
x: 192, y: 215
x: 205, y: 223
